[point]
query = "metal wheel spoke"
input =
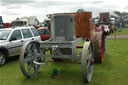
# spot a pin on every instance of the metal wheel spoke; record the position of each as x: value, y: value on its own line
x: 28, y: 49
x: 29, y: 67
x: 33, y: 47
x: 26, y: 59
x: 29, y: 57
x: 34, y: 66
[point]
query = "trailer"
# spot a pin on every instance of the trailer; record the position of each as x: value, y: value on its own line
x: 65, y: 36
x: 26, y: 21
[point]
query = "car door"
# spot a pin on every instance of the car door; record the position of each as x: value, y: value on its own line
x: 36, y: 34
x: 15, y: 43
x: 27, y: 35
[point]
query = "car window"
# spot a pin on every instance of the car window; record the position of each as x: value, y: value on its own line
x: 43, y: 31
x: 35, y: 32
x: 26, y: 33
x: 16, y: 34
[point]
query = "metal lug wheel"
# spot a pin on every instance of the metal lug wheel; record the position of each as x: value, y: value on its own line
x: 29, y: 53
x: 98, y: 46
x: 2, y: 58
x: 87, y: 61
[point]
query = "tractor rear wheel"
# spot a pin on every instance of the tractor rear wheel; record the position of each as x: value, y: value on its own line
x: 98, y: 46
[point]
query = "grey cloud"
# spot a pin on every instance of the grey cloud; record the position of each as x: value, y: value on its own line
x: 95, y: 10
x: 56, y: 3
x: 13, y: 6
x: 109, y: 6
x: 126, y: 7
x: 8, y: 2
x: 12, y: 13
x: 97, y: 2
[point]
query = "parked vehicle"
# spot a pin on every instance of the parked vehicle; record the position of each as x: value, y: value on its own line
x: 7, y: 25
x: 44, y: 33
x: 113, y: 20
x: 12, y: 39
x: 26, y: 21
x: 96, y: 21
x: 1, y: 22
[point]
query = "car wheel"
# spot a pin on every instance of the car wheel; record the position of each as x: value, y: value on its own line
x: 2, y: 58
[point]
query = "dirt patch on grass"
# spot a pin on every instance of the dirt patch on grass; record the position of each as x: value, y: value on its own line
x: 124, y: 36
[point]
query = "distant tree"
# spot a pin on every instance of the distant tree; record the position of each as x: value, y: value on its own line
x: 112, y: 16
x: 121, y: 15
x: 117, y: 13
x: 80, y: 10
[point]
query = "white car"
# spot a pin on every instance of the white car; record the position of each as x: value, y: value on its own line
x: 12, y: 39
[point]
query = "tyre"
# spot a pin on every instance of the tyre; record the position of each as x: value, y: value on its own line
x: 2, y: 58
x: 98, y: 46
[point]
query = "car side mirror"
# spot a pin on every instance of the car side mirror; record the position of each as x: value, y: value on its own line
x: 12, y: 39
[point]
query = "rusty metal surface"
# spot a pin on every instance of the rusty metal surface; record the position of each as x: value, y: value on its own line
x: 104, y: 18
x: 83, y: 24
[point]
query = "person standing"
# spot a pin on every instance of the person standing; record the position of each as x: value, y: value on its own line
x: 97, y: 28
x: 105, y: 34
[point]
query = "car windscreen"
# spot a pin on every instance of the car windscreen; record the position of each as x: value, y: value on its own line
x: 4, y: 34
x: 43, y: 31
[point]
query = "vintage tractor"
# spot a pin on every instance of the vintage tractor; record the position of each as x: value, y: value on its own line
x: 67, y: 31
x: 84, y: 28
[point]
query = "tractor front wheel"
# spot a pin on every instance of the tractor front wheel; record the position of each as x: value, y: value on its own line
x: 28, y: 54
x: 87, y: 61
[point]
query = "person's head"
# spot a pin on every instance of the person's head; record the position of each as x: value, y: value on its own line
x: 96, y: 25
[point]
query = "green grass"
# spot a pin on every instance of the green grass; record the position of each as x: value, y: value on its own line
x: 114, y: 70
x: 123, y: 31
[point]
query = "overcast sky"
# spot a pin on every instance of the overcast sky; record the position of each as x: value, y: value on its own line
x: 11, y: 9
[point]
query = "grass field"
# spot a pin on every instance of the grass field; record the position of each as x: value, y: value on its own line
x: 123, y: 31
x: 114, y: 70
